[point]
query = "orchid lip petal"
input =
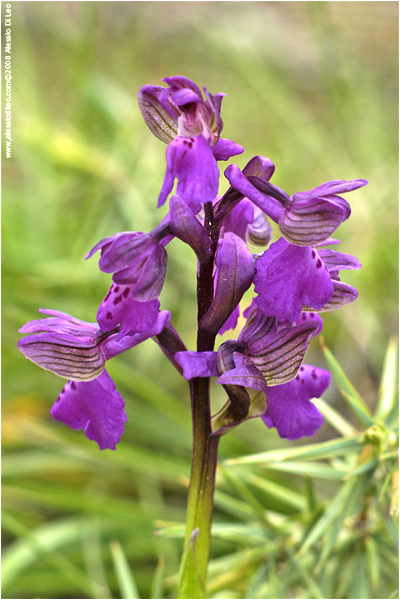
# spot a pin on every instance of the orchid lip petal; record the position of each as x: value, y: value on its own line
x: 190, y: 160
x: 94, y: 406
x: 289, y: 406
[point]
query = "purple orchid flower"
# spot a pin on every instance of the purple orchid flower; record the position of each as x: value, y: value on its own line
x: 289, y: 408
x: 268, y: 358
x: 78, y: 351
x: 276, y: 349
x: 136, y: 259
x: 289, y: 278
x: 191, y: 125
x: 306, y: 218
x: 262, y: 371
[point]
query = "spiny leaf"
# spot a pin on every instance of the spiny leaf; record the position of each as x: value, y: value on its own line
x: 321, y: 450
x: 278, y: 491
x: 348, y: 391
x: 334, y: 514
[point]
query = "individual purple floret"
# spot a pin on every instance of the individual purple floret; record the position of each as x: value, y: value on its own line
x: 289, y: 278
x: 136, y: 259
x: 306, y: 218
x: 191, y: 125
x: 78, y: 351
x: 268, y: 358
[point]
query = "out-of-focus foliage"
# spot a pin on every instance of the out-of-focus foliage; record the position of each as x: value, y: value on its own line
x: 312, y: 85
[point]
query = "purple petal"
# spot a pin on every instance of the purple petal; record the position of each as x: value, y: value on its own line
x: 234, y: 277
x: 289, y: 406
x: 259, y: 231
x: 239, y: 218
x: 136, y: 259
x: 331, y: 187
x: 288, y: 277
x: 60, y: 322
x: 343, y: 294
x: 185, y: 96
x: 213, y: 103
x: 269, y: 205
x: 314, y: 317
x: 231, y: 322
x: 115, y: 344
x: 178, y: 82
x: 68, y: 347
x: 94, y: 406
x: 261, y: 167
x: 185, y: 226
x: 336, y: 261
x: 224, y: 149
x: 276, y: 349
x: 159, y: 112
x: 191, y: 161
x: 120, y: 308
x: 198, y: 364
x: 310, y: 221
x: 247, y: 376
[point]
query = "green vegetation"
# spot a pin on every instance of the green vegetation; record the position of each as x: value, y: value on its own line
x: 312, y: 85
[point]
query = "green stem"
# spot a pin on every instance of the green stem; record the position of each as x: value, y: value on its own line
x: 201, y: 490
x: 205, y: 506
x: 201, y: 432
x: 193, y: 572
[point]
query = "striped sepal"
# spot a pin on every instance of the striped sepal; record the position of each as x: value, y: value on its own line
x: 259, y: 232
x: 279, y: 353
x: 343, y: 294
x: 161, y: 120
x: 79, y: 362
x: 308, y: 222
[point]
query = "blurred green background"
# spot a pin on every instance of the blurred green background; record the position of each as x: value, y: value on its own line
x: 313, y: 86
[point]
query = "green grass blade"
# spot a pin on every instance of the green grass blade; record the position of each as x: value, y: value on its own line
x: 334, y: 515
x: 157, y: 582
x: 335, y: 419
x: 41, y: 544
x: 312, y: 469
x: 322, y: 450
x: 309, y: 580
x: 123, y: 572
x: 389, y: 381
x: 279, y: 492
x: 348, y: 391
